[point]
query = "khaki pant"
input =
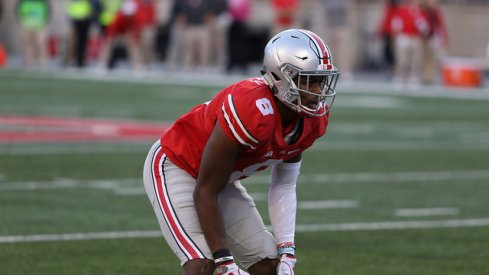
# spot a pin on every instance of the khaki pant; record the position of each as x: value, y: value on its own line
x: 148, y: 36
x: 35, y: 47
x: 432, y: 54
x: 196, y: 46
x: 409, y: 54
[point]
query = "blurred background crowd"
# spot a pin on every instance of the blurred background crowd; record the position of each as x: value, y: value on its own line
x: 412, y: 42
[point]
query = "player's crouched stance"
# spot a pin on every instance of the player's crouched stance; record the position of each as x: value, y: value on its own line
x: 192, y: 174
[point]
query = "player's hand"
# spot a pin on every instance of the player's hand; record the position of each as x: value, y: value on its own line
x: 227, y: 266
x: 286, y: 265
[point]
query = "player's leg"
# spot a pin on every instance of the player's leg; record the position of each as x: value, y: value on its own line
x: 248, y: 239
x: 170, y: 190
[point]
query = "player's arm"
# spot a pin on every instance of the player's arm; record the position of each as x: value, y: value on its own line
x: 282, y: 206
x: 216, y: 166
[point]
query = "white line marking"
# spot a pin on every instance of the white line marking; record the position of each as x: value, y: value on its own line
x: 393, y: 225
x: 130, y: 191
x: 399, y: 176
x: 419, y: 212
x: 375, y: 102
x: 391, y: 145
x: 73, y: 148
x: 398, y: 225
x: 66, y: 183
x: 79, y: 236
x: 327, y: 204
x: 323, y: 204
x: 115, y: 184
x: 418, y: 176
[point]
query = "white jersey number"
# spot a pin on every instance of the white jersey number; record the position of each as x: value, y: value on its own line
x: 264, y: 106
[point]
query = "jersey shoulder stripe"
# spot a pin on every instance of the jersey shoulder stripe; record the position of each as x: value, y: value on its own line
x: 236, y: 125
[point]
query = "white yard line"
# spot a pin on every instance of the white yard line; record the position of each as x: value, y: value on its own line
x: 311, y: 205
x: 112, y: 184
x: 414, y: 176
x: 132, y: 185
x: 423, y: 212
x: 396, y: 225
x: 400, y: 145
x: 79, y: 236
x: 327, y: 204
x: 130, y: 191
x: 374, y: 102
x: 73, y: 148
x: 393, y: 225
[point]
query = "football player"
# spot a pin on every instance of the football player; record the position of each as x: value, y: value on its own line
x: 192, y: 174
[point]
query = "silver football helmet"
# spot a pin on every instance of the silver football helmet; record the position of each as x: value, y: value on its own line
x: 298, y: 67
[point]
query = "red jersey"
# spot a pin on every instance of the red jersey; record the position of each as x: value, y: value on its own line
x: 285, y: 11
x: 146, y: 14
x: 247, y: 113
x: 385, y: 27
x: 412, y: 20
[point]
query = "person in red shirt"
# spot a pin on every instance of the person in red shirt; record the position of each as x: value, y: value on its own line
x: 127, y: 27
x: 192, y: 174
x: 386, y: 33
x: 410, y: 26
x: 286, y: 15
x: 146, y: 19
x: 436, y: 41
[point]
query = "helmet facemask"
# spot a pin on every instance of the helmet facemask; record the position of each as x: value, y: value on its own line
x: 310, y: 93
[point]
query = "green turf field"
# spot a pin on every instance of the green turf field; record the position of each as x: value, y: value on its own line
x: 399, y: 184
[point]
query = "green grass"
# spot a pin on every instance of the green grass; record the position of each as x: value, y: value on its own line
x: 401, y: 152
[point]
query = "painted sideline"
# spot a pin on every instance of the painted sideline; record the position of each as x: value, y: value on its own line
x: 398, y: 225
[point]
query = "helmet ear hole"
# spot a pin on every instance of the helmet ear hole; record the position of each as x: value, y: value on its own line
x: 275, y: 76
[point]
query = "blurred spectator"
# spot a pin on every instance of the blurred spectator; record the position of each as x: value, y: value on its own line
x: 218, y: 31
x: 109, y: 11
x: 126, y: 28
x: 286, y: 15
x: 147, y: 20
x: 436, y: 42
x: 239, y: 11
x: 34, y: 16
x: 3, y: 54
x: 175, y: 44
x: 196, y: 15
x: 338, y: 34
x: 487, y: 50
x: 108, y: 14
x: 411, y: 26
x: 386, y: 33
x: 81, y: 13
